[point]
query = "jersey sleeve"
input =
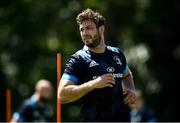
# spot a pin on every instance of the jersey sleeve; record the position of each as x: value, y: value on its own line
x: 126, y: 70
x: 22, y: 113
x: 73, y: 70
x: 18, y: 117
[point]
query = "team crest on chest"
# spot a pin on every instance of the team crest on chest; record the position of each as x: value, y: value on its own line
x: 117, y: 59
x: 110, y: 69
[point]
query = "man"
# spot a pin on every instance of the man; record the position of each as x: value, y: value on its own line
x: 95, y: 74
x: 140, y: 112
x: 36, y: 108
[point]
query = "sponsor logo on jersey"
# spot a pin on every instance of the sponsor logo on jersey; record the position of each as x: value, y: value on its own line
x: 110, y: 69
x: 115, y: 75
x: 93, y: 63
x: 117, y: 59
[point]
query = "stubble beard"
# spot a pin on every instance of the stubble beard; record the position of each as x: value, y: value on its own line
x: 94, y: 43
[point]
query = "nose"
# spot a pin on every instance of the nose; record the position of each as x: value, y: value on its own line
x: 84, y: 32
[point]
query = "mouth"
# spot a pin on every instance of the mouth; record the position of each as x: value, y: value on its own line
x: 86, y: 37
x: 87, y: 40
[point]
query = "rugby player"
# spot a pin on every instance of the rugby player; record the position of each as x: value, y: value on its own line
x: 36, y: 108
x: 98, y: 75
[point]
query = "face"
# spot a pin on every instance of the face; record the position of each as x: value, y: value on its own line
x: 46, y: 93
x: 89, y: 34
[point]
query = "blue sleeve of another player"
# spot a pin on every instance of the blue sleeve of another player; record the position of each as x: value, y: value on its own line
x: 73, y: 70
x: 22, y: 113
x: 18, y: 117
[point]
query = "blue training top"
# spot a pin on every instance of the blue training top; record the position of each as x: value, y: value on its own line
x: 30, y: 111
x: 104, y: 104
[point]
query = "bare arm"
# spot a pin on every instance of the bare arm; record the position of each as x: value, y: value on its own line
x: 128, y: 82
x: 129, y: 89
x: 67, y: 92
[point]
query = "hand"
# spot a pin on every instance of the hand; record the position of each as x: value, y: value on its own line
x: 106, y: 80
x: 130, y: 96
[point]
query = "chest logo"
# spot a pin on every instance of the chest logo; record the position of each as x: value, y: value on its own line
x: 93, y: 63
x: 117, y: 59
x: 110, y: 69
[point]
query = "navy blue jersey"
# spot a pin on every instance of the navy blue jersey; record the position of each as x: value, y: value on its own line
x: 30, y: 111
x: 104, y: 104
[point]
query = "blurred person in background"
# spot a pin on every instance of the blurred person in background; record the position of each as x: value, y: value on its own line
x: 37, y: 108
x: 140, y: 112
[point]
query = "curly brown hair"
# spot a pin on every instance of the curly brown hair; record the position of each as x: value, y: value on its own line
x: 89, y: 14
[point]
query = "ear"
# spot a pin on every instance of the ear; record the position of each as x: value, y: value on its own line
x: 101, y: 29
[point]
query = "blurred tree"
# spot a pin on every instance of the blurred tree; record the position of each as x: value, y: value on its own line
x: 161, y: 32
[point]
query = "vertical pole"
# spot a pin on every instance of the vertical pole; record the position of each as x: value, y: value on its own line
x: 58, y: 80
x: 8, y: 105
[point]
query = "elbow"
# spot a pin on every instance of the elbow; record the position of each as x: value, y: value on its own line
x: 61, y: 96
x: 63, y: 100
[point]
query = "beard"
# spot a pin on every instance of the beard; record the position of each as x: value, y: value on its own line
x: 92, y: 42
x: 44, y: 100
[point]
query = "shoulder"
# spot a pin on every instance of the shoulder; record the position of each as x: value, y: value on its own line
x: 81, y: 55
x: 115, y: 50
x: 26, y: 106
x: 30, y: 103
x: 26, y: 103
x: 118, y: 54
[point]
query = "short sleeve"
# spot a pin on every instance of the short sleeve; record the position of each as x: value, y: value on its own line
x: 22, y: 113
x: 126, y: 70
x: 18, y: 117
x: 73, y: 70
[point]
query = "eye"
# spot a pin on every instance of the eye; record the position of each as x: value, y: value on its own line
x: 81, y: 29
x: 89, y: 28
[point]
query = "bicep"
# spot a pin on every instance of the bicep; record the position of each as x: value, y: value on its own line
x: 127, y: 73
x: 128, y: 82
x: 64, y: 83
